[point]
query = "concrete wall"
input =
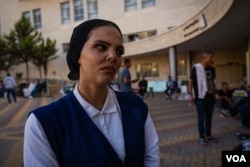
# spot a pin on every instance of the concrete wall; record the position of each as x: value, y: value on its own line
x: 166, y: 13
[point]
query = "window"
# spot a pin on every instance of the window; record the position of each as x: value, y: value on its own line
x: 27, y: 15
x: 147, y: 70
x: 182, y: 67
x: 138, y: 36
x: 65, y: 13
x: 92, y: 9
x: 37, y: 18
x: 78, y: 10
x: 147, y: 3
x: 151, y: 33
x: 130, y: 5
x: 65, y: 47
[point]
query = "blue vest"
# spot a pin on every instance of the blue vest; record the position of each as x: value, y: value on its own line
x: 76, y: 141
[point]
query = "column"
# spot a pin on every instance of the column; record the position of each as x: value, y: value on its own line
x: 189, y: 63
x: 173, y: 63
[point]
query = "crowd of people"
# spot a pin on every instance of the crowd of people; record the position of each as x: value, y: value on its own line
x: 236, y: 106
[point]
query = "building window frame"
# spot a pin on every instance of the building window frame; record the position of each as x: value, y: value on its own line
x: 147, y: 3
x: 37, y: 18
x: 65, y: 12
x: 182, y: 67
x: 149, y: 70
x: 78, y: 10
x: 65, y: 47
x: 130, y: 5
x: 26, y: 15
x: 92, y: 9
x: 138, y: 35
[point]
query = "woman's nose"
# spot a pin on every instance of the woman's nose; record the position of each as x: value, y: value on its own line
x: 111, y: 56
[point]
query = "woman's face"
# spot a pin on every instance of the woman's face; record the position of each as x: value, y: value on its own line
x: 100, y: 57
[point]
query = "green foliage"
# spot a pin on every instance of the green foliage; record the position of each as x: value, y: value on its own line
x: 25, y: 44
x: 44, y: 54
x: 6, y: 61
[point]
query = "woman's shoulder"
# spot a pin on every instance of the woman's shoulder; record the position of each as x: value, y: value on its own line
x: 55, y: 106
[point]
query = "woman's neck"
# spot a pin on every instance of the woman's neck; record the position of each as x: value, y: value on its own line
x: 96, y: 96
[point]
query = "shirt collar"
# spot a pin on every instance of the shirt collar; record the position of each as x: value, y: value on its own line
x: 110, y: 105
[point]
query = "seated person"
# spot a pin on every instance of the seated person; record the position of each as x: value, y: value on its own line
x: 27, y: 91
x: 1, y: 89
x: 241, y: 108
x: 224, y: 99
x: 21, y: 87
x: 143, y: 86
x: 243, y: 84
x: 171, y: 86
x: 66, y: 89
x: 40, y: 86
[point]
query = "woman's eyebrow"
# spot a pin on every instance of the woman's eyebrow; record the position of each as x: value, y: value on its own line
x: 107, y: 43
x: 104, y: 42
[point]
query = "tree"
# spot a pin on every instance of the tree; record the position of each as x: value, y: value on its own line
x: 22, y: 42
x: 6, y: 61
x: 45, y: 52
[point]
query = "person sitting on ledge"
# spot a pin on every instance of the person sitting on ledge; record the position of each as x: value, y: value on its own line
x: 171, y: 86
x: 39, y: 88
x: 224, y: 99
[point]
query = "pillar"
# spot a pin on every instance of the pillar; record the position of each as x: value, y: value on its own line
x: 189, y: 63
x: 173, y: 62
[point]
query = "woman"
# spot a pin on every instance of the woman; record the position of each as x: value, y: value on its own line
x: 93, y: 125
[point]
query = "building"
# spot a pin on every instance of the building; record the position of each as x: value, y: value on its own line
x: 162, y: 37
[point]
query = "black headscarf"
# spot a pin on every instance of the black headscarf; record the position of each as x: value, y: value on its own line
x: 77, y: 41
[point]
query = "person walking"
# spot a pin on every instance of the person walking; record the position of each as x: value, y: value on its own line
x: 9, y: 85
x: 201, y: 89
x: 125, y: 80
x: 93, y: 125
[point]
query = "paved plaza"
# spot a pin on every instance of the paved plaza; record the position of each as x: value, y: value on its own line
x: 175, y: 122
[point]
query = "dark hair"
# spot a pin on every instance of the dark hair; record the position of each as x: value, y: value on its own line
x: 224, y: 83
x: 126, y: 60
x: 79, y: 37
x: 208, y: 52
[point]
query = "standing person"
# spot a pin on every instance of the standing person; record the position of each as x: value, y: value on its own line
x: 9, y: 85
x: 92, y: 125
x: 125, y: 80
x: 202, y: 85
x: 171, y: 86
x: 143, y: 86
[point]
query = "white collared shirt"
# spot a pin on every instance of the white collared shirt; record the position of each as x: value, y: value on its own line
x: 37, y: 150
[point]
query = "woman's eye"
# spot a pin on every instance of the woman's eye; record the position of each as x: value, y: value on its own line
x: 100, y: 47
x: 120, y: 52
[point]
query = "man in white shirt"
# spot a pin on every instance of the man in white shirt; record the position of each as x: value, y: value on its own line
x: 9, y: 85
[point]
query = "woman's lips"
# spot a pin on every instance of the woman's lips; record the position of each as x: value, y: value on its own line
x: 108, y: 69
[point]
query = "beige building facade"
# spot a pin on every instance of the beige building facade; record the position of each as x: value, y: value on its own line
x: 158, y: 34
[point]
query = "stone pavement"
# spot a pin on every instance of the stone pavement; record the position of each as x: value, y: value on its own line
x: 175, y: 122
